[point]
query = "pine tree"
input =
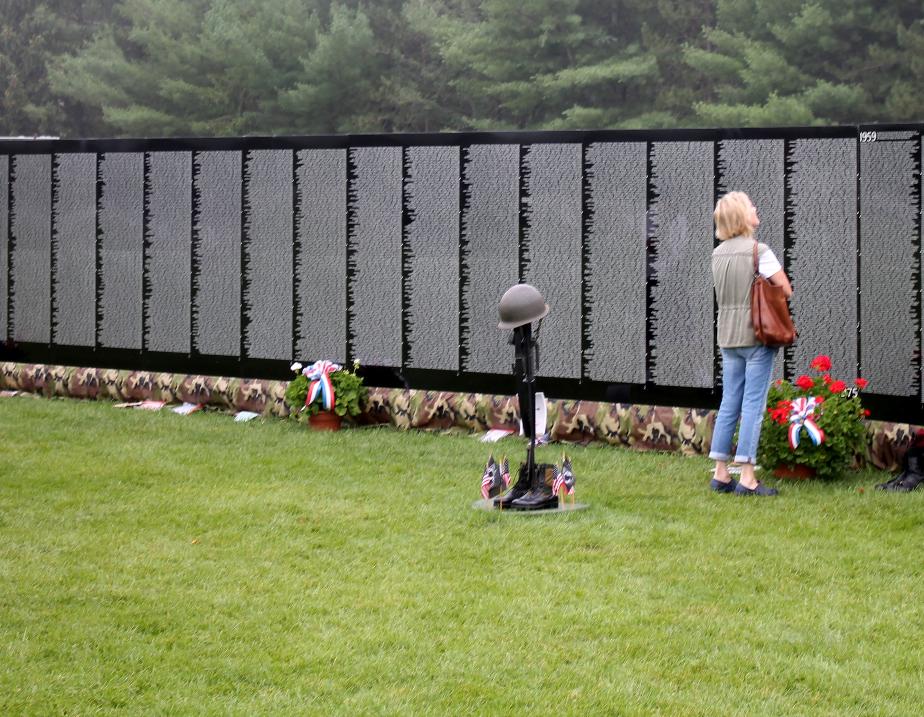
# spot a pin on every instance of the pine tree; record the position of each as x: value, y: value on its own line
x: 199, y: 67
x: 771, y: 62
x: 537, y: 65
x: 31, y: 35
x: 338, y: 79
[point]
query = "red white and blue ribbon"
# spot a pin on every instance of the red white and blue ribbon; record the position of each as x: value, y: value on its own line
x: 801, y: 417
x: 319, y: 374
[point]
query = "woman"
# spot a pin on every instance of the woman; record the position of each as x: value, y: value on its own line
x: 746, y: 363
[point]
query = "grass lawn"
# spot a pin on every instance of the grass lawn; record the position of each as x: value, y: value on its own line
x: 158, y: 564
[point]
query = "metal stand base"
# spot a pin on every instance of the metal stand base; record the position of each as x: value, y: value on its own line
x: 488, y: 505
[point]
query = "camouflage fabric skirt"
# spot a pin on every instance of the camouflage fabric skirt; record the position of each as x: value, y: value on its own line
x: 646, y: 428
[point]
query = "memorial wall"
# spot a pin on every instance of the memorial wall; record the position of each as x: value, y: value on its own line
x: 395, y: 250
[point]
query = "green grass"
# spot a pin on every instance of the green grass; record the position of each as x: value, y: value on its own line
x: 158, y: 564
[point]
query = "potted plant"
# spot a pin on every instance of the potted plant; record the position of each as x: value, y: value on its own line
x: 813, y: 425
x: 325, y: 392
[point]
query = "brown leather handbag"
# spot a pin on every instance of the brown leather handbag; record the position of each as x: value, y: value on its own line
x: 770, y: 311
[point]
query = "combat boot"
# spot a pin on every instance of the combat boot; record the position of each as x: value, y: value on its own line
x: 908, y: 483
x: 520, y: 488
x: 540, y: 495
x: 912, y: 472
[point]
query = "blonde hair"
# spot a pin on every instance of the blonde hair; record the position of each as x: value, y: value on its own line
x: 731, y: 216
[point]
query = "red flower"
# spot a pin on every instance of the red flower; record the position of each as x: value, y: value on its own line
x: 827, y: 379
x: 861, y: 383
x: 819, y: 400
x: 779, y: 415
x: 821, y: 362
x: 866, y: 412
x: 804, y: 382
x: 837, y: 386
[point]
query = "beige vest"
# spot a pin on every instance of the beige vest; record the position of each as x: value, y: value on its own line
x: 732, y: 274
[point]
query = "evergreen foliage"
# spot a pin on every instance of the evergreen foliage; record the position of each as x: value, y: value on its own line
x: 233, y: 67
x: 32, y: 35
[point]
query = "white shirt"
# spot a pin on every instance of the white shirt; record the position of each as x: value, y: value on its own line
x: 768, y: 264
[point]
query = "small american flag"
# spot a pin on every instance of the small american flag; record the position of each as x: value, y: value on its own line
x: 564, y: 481
x: 493, y: 480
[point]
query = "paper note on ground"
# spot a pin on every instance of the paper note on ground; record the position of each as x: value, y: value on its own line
x: 151, y: 405
x: 187, y: 408
x: 495, y: 434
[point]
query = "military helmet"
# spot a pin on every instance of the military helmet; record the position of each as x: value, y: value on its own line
x: 521, y: 304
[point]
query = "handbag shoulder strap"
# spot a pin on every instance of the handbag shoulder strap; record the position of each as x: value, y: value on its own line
x: 756, y: 265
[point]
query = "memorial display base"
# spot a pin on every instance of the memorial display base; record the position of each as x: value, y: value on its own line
x: 488, y: 506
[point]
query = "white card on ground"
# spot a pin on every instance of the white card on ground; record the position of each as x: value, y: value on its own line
x: 151, y: 405
x: 187, y: 408
x: 495, y: 434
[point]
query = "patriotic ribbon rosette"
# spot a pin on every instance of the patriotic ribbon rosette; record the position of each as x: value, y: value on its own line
x: 801, y: 417
x: 319, y: 374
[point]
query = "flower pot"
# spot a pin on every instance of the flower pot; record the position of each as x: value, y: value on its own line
x: 324, y: 421
x: 794, y: 471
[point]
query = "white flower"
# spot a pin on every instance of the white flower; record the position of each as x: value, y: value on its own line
x: 296, y: 367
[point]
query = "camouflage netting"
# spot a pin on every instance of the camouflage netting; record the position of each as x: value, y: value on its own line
x: 646, y: 428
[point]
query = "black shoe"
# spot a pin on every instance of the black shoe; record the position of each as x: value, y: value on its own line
x: 720, y: 487
x: 760, y: 489
x: 908, y: 483
x: 520, y: 488
x: 540, y: 495
x: 891, y: 483
x: 535, y: 500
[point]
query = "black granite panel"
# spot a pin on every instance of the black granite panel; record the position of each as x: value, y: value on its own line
x: 121, y: 235
x: 823, y: 206
x: 490, y: 252
x: 268, y: 254
x: 217, y: 253
x: 4, y: 243
x: 888, y: 233
x: 616, y: 262
x: 320, y: 259
x: 375, y: 241
x: 30, y: 259
x: 432, y: 289
x: 74, y: 212
x: 682, y: 241
x: 552, y: 250
x: 169, y: 258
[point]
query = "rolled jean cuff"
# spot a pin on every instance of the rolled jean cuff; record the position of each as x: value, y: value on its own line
x: 746, y: 459
x: 719, y: 456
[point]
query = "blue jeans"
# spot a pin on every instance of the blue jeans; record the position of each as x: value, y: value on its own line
x: 746, y: 374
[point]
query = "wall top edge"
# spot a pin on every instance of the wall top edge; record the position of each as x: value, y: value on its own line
x: 44, y: 146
